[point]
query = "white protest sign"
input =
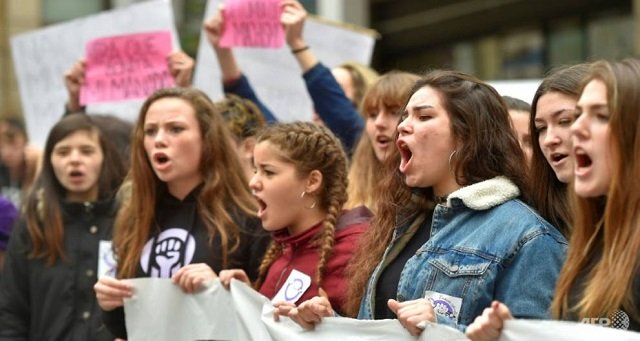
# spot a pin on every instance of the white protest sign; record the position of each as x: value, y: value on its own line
x: 275, y: 74
x: 523, y: 89
x: 41, y: 57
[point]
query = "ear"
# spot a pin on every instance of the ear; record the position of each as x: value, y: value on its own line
x: 247, y: 145
x: 314, y: 181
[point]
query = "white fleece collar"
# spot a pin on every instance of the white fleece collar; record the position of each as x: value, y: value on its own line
x: 486, y: 194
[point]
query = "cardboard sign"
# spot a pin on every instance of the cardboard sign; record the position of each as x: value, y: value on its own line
x: 126, y: 67
x: 252, y: 23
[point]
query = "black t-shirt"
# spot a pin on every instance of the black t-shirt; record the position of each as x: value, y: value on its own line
x: 387, y: 286
x: 619, y: 319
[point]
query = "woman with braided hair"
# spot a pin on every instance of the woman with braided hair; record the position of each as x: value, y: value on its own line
x: 300, y: 183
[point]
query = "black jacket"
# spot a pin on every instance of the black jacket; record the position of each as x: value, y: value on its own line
x: 181, y: 238
x: 43, y: 302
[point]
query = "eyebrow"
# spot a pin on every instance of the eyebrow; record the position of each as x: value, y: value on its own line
x: 418, y: 108
x: 594, y: 106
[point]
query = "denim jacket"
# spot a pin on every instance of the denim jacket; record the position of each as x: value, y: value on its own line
x: 485, y: 245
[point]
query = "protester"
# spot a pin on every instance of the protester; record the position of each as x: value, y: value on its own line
x: 244, y: 119
x: 53, y: 257
x: 301, y: 187
x: 600, y: 278
x: 445, y: 223
x: 381, y: 106
x: 19, y: 161
x: 190, y: 213
x: 552, y: 163
x: 519, y: 112
x: 8, y: 215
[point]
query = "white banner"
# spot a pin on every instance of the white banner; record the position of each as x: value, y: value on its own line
x: 161, y: 311
x: 275, y: 74
x: 41, y: 57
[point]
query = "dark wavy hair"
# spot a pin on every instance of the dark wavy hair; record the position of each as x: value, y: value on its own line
x: 488, y: 148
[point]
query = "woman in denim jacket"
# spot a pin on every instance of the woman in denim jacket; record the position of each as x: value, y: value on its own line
x: 601, y: 278
x: 452, y: 232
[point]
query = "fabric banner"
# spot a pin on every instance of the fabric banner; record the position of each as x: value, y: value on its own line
x: 160, y: 311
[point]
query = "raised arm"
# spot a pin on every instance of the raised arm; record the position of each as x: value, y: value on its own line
x: 330, y: 101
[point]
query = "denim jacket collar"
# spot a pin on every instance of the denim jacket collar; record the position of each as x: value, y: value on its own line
x: 485, y: 194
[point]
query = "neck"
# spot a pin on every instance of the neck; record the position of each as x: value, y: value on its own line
x: 309, y: 220
x: 180, y: 189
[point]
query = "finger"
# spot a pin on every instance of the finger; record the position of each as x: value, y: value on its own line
x: 393, y: 305
x: 503, y: 312
x: 300, y: 321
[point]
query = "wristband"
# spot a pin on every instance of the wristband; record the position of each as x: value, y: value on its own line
x: 296, y: 51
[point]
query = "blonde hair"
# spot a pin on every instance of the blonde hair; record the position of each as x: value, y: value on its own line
x: 610, y: 224
x: 224, y: 189
x: 311, y: 147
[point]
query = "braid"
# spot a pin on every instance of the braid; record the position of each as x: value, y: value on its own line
x: 273, y: 252
x: 311, y: 147
x: 326, y: 239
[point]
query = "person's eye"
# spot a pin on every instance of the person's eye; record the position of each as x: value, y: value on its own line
x: 149, y: 131
x: 540, y: 129
x: 565, y: 121
x: 603, y: 117
x: 425, y: 117
x: 87, y: 151
x: 176, y: 129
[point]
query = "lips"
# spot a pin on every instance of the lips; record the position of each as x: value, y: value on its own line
x: 406, y: 155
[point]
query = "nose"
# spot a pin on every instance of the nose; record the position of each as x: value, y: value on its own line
x: 74, y: 156
x: 159, y: 138
x: 578, y: 129
x: 550, y: 138
x: 404, y: 127
x: 254, y: 183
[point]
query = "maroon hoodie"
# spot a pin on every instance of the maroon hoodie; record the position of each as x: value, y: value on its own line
x: 300, y: 252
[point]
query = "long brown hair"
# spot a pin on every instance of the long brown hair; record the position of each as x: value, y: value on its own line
x: 609, y: 282
x: 549, y: 195
x: 488, y: 148
x: 311, y: 147
x: 42, y: 210
x: 390, y: 91
x: 225, y: 187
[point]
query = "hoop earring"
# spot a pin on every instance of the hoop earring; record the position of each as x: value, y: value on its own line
x: 450, y: 158
x: 302, y: 198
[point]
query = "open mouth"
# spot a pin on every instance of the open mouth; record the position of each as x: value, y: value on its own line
x: 557, y: 157
x: 582, y: 159
x: 406, y: 155
x: 262, y: 206
x: 383, y: 140
x: 75, y: 174
x: 161, y: 158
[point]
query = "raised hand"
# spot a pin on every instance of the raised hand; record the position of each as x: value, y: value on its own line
x: 488, y: 326
x: 73, y: 81
x: 181, y: 68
